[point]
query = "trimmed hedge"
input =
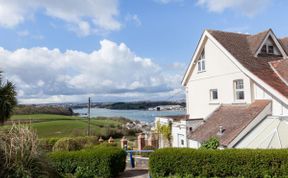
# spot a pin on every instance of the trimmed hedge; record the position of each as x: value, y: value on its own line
x: 100, y: 162
x: 185, y: 162
x: 47, y: 144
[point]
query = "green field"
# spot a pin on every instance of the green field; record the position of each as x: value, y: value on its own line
x: 49, y: 125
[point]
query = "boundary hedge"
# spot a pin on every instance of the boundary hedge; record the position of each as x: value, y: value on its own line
x: 103, y: 162
x: 186, y: 162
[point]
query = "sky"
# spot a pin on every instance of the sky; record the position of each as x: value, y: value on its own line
x: 116, y: 50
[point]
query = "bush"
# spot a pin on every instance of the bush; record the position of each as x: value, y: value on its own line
x: 212, y: 143
x: 67, y: 144
x: 47, y: 144
x: 218, y: 163
x: 73, y: 144
x: 101, y: 162
x: 20, y: 155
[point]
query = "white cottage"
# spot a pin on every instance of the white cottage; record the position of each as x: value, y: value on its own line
x: 237, y: 90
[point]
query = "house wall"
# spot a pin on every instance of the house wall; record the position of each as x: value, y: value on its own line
x: 179, y: 133
x: 220, y: 74
x: 193, y: 144
x: 278, y: 107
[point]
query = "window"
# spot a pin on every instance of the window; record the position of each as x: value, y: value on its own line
x: 182, y: 142
x: 271, y: 49
x: 201, y: 62
x: 267, y: 49
x: 264, y: 49
x: 213, y: 94
x: 239, y: 90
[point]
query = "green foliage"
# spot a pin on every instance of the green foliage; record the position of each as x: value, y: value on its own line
x: 185, y: 162
x: 165, y: 131
x: 30, y: 109
x: 7, y: 99
x: 20, y: 155
x: 67, y: 144
x: 212, y: 143
x: 47, y: 144
x: 103, y: 162
x: 48, y: 125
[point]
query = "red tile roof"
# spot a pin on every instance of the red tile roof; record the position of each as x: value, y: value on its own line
x: 281, y: 68
x: 243, y: 48
x: 232, y: 118
x: 284, y: 43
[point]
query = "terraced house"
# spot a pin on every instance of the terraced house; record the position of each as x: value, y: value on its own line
x: 237, y: 90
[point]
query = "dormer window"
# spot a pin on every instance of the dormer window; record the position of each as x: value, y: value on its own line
x: 201, y: 62
x: 264, y: 49
x: 271, y: 49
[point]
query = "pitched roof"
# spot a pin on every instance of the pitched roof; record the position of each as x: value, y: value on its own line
x: 242, y: 47
x: 284, y: 43
x: 232, y: 118
x: 281, y: 68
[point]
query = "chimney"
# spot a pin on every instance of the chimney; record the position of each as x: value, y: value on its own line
x: 221, y: 130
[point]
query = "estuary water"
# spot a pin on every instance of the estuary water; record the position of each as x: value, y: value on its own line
x: 140, y: 115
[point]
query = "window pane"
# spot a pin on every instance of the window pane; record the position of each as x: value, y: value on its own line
x: 264, y: 49
x: 240, y: 95
x: 199, y: 66
x: 203, y: 65
x: 239, y: 84
x: 215, y: 95
x: 271, y: 49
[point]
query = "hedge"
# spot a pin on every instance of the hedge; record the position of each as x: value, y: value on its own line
x: 100, y: 162
x: 67, y: 143
x: 185, y: 162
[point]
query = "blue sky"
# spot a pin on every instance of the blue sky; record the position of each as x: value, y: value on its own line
x: 116, y: 50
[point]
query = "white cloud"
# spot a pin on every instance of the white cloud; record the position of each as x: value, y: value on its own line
x: 85, y: 16
x: 113, y: 71
x: 246, y: 7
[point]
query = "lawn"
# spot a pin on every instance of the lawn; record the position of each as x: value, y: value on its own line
x: 49, y: 125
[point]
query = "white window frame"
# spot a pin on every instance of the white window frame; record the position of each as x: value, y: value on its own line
x: 212, y: 96
x: 238, y: 87
x: 266, y: 47
x: 201, y: 65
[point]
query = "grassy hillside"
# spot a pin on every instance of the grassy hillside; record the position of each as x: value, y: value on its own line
x: 48, y: 125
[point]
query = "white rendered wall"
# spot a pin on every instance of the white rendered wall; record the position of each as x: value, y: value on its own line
x: 178, y: 134
x: 193, y: 144
x: 220, y: 74
x: 278, y: 107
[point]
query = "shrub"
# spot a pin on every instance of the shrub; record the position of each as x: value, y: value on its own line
x: 72, y: 144
x: 187, y: 162
x: 67, y: 144
x: 212, y: 143
x: 101, y: 162
x: 47, y: 144
x: 20, y: 155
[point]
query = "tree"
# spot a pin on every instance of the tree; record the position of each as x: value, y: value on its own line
x: 165, y: 131
x: 7, y: 99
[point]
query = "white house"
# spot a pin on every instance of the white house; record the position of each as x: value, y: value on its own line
x: 237, y: 90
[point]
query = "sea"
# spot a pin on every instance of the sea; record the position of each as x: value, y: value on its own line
x: 140, y: 115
